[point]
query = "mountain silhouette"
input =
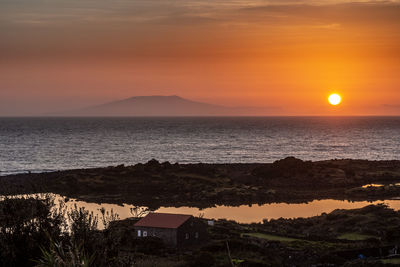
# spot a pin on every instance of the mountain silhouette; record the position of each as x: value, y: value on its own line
x: 165, y: 106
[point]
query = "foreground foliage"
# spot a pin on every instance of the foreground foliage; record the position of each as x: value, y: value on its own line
x: 37, y: 232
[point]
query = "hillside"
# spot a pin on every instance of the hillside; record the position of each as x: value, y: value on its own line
x: 165, y: 106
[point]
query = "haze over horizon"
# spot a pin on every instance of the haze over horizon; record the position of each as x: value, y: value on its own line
x: 158, y: 105
x: 62, y: 55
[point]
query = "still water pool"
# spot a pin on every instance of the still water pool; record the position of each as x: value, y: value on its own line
x: 244, y: 213
x: 241, y: 214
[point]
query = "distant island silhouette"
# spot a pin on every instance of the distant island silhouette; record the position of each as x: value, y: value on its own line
x: 166, y: 106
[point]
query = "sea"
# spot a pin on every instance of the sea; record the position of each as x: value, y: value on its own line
x: 48, y: 144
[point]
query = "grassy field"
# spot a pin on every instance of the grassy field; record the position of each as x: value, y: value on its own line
x: 296, y: 242
x: 355, y: 236
x: 391, y: 261
x: 271, y: 237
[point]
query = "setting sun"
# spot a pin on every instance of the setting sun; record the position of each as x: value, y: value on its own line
x: 335, y: 99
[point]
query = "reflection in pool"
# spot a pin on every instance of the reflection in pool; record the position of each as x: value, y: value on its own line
x: 244, y: 213
x: 372, y: 185
x: 256, y: 213
x: 249, y: 214
x: 379, y: 185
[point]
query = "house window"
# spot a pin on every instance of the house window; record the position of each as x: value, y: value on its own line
x: 139, y: 233
x: 196, y: 235
x: 186, y: 236
x: 144, y: 233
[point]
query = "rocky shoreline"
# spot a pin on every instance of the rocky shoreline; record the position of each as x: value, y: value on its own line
x: 155, y: 184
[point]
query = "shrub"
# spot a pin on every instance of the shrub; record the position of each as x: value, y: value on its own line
x: 203, y: 259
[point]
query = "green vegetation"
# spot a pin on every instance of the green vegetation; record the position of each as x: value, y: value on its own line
x: 375, y: 222
x: 391, y: 261
x: 61, y: 256
x: 156, y: 184
x: 355, y: 236
x: 35, y: 232
x: 271, y: 237
x: 297, y: 242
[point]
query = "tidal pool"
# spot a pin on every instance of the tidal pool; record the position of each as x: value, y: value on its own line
x: 245, y: 213
x: 379, y: 185
x: 242, y: 214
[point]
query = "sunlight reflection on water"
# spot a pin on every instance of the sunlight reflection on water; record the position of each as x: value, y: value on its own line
x: 45, y: 144
x: 242, y: 214
x: 379, y: 185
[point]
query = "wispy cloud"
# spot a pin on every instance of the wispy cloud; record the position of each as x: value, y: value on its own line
x: 136, y: 25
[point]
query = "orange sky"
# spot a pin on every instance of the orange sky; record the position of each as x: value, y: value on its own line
x: 58, y: 55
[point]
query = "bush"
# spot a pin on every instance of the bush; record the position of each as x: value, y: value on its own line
x: 203, y: 259
x: 26, y: 224
x: 34, y: 229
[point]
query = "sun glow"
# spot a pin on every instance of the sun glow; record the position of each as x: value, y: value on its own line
x: 335, y: 99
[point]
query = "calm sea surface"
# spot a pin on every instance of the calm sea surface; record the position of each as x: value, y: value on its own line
x: 45, y: 144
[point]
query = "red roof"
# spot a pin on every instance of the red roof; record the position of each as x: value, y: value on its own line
x: 163, y: 220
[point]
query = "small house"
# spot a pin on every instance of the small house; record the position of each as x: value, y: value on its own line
x: 176, y: 230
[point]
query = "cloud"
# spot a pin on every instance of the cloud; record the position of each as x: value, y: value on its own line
x: 391, y: 106
x: 354, y: 13
x: 68, y: 12
x: 47, y: 28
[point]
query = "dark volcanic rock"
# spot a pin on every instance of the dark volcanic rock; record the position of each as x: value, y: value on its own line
x: 154, y: 184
